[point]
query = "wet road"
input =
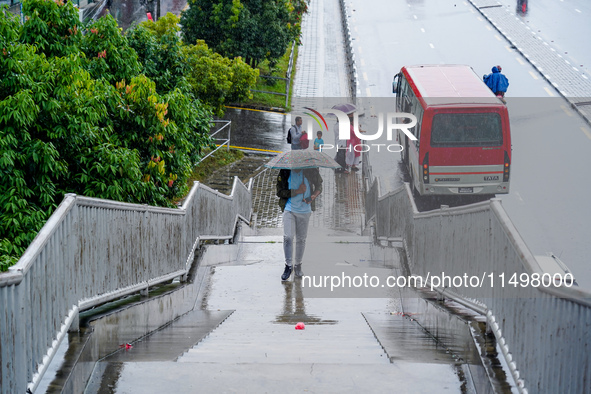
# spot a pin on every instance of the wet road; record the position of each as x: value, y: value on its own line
x: 564, y: 25
x: 258, y: 129
x: 551, y: 144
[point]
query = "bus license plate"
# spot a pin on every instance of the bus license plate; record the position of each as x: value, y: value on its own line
x: 465, y: 190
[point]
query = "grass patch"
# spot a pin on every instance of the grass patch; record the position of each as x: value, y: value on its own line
x: 274, y: 85
x: 221, y: 158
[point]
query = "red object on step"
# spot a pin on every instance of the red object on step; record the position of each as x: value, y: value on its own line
x: 300, y: 326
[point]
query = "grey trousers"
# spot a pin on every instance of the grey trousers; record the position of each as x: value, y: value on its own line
x: 295, y: 225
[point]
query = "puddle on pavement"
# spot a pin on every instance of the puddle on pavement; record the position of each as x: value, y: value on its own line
x: 461, y: 333
x: 294, y: 307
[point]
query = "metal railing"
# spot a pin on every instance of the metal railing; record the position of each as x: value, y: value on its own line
x: 542, y: 332
x: 349, y: 50
x: 287, y: 78
x: 227, y: 124
x: 92, y: 251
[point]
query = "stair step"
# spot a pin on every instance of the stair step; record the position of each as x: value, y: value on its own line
x: 163, y: 377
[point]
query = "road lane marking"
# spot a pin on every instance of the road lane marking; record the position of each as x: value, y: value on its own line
x: 533, y: 75
x: 362, y: 62
x: 498, y: 38
x: 566, y: 110
x: 480, y: 19
x: 422, y: 30
x: 549, y: 92
x: 368, y: 92
x: 489, y: 28
x: 365, y: 76
x: 509, y: 48
x: 579, y: 11
x: 432, y: 46
x: 414, y: 16
x: 520, y: 61
x: 586, y: 131
x: 255, y: 110
x: 255, y: 149
x: 360, y: 49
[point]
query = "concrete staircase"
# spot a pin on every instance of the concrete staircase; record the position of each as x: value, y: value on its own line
x: 257, y: 348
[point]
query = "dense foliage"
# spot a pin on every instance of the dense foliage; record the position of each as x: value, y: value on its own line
x: 88, y: 110
x: 211, y: 77
x: 256, y: 30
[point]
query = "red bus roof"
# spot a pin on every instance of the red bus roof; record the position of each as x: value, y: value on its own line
x: 455, y: 83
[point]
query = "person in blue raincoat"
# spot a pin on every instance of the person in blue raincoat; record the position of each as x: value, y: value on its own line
x: 496, y: 81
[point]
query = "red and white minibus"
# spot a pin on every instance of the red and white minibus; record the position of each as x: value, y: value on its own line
x: 463, y: 138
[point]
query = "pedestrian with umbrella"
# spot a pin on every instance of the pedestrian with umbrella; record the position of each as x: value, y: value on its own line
x: 348, y: 155
x: 298, y: 185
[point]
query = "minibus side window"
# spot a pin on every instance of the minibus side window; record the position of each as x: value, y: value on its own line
x: 402, y: 95
x: 417, y: 110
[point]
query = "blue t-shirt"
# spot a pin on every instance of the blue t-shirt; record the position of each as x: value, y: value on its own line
x: 296, y: 202
x: 318, y: 142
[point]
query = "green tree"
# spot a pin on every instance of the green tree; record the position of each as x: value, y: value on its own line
x: 256, y: 30
x: 108, y: 53
x: 30, y: 168
x: 77, y: 116
x: 51, y: 26
x: 213, y: 78
x: 217, y: 79
x: 159, y: 50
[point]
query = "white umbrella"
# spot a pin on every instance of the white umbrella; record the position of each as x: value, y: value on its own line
x: 301, y: 159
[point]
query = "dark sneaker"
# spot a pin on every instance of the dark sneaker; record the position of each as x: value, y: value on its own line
x: 286, y: 273
x: 298, y: 271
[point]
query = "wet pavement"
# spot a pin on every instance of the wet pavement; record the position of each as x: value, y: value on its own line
x: 259, y: 129
x: 362, y: 344
x: 569, y: 80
